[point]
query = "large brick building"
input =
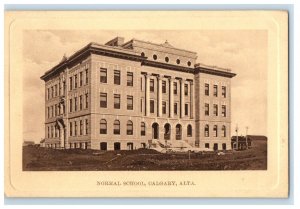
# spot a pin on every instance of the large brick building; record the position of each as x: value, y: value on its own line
x: 125, y: 95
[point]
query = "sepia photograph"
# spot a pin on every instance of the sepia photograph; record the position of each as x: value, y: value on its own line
x: 145, y: 100
x: 149, y: 103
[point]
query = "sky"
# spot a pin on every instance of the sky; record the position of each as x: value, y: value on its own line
x: 243, y: 51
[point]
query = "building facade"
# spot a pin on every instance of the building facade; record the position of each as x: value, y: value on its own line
x: 125, y: 95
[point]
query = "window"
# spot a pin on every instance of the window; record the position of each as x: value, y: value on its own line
x: 75, y: 102
x: 56, y: 90
x: 80, y: 79
x: 48, y: 112
x: 164, y: 107
x: 86, y: 76
x: 189, y: 63
x: 48, y: 93
x: 103, y: 126
x: 206, y: 131
x: 164, y: 87
x: 143, y: 129
x: 117, y: 79
x: 224, y: 91
x: 86, y: 100
x: 189, y: 131
x: 71, y: 105
x: 48, y: 131
x: 141, y: 105
x: 86, y: 126
x: 151, y: 106
x: 175, y: 108
x: 71, y: 129
x: 52, y: 92
x: 103, y: 100
x: 117, y: 127
x: 55, y: 112
x: 175, y: 87
x: 206, y: 145
x: 75, y: 126
x: 103, y: 75
x: 215, y: 110
x: 129, y: 102
x: 224, y: 110
x: 186, y: 89
x: 75, y: 84
x: 155, y: 57
x: 141, y: 83
x: 143, y: 54
x: 206, y: 109
x: 215, y: 90
x: 52, y: 111
x: 129, y: 127
x: 129, y: 79
x: 178, y: 61
x: 59, y: 88
x: 152, y: 85
x: 117, y: 101
x: 215, y: 129
x: 167, y: 59
x: 186, y: 109
x: 55, y: 131
x: 81, y: 127
x: 80, y: 102
x: 206, y: 89
x: 224, y: 131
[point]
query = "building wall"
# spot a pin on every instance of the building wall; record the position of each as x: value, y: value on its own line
x: 211, y: 119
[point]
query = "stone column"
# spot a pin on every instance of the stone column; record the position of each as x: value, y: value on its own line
x: 147, y: 98
x: 171, y: 95
x: 182, y: 98
x: 62, y: 137
x: 192, y: 100
x: 159, y: 95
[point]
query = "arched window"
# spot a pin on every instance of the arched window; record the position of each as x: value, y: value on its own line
x: 143, y: 54
x: 206, y: 130
x: 215, y: 130
x: 189, y: 131
x: 224, y: 131
x: 178, y: 61
x: 155, y: 57
x: 167, y: 131
x: 189, y: 63
x: 103, y: 126
x: 117, y: 127
x: 178, y: 132
x: 167, y: 59
x: 129, y: 127
x: 143, y: 129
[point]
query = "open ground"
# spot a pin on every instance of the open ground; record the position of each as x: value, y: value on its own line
x: 46, y: 159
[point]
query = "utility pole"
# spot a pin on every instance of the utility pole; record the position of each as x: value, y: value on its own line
x: 247, y: 136
x: 237, y: 137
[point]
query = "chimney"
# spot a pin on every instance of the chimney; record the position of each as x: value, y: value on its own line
x: 118, y: 41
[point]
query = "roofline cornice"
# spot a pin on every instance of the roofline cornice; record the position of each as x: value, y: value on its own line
x: 214, y: 72
x: 167, y: 66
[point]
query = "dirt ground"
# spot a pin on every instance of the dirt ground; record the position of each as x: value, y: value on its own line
x: 44, y: 159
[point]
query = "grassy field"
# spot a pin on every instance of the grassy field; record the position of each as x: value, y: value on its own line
x: 43, y: 159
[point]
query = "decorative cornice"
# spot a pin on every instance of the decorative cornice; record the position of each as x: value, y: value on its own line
x: 214, y: 72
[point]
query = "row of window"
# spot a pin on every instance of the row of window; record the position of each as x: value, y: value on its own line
x: 83, y: 129
x: 215, y: 90
x: 55, y: 110
x: 164, y: 87
x: 56, y: 90
x: 129, y: 128
x: 167, y: 59
x: 117, y: 101
x: 79, y: 105
x: 164, y: 107
x: 53, y: 131
x: 73, y: 80
x: 117, y: 77
x: 215, y: 110
x: 215, y: 131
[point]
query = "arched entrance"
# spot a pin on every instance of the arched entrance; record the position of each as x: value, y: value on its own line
x: 167, y: 131
x: 155, y: 131
x: 178, y: 132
